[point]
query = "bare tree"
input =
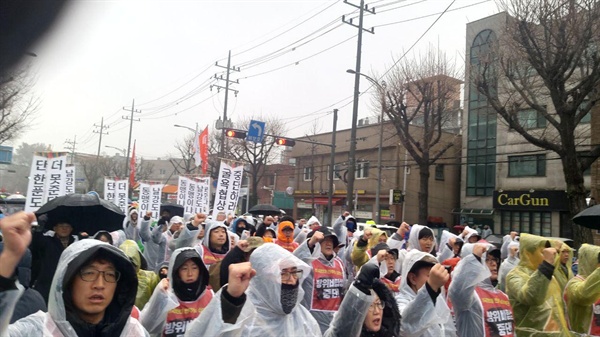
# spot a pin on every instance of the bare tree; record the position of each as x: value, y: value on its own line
x: 420, y: 100
x: 547, y: 60
x: 257, y: 156
x: 17, y: 106
x: 95, y: 169
x: 185, y: 164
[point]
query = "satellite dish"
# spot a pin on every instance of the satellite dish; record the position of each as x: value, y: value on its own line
x: 289, y: 190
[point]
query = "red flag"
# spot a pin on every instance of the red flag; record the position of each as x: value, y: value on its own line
x: 132, y: 168
x: 204, y: 149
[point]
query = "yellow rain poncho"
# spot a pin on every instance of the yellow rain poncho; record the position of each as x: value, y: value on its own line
x: 583, y: 291
x: 534, y: 293
x: 360, y: 252
x: 563, y: 273
x: 147, y: 280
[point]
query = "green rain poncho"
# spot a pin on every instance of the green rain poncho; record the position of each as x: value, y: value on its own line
x: 147, y: 280
x: 360, y: 252
x: 534, y: 293
x: 583, y: 291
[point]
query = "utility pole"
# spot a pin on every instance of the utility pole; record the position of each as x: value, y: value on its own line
x: 329, y: 220
x: 226, y: 88
x: 72, y: 145
x: 131, y: 119
x: 101, y: 132
x: 352, y: 152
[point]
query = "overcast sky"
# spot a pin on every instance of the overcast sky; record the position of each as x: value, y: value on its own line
x: 103, y: 54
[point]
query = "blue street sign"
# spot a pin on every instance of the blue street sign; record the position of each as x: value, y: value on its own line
x: 256, y: 131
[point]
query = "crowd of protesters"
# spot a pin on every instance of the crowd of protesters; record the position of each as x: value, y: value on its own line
x: 197, y: 276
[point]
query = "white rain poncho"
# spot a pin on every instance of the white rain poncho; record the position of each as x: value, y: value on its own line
x: 420, y: 317
x: 54, y: 323
x: 470, y: 232
x: 132, y: 228
x: 154, y: 244
x: 349, y: 319
x: 262, y: 314
x: 303, y: 252
x: 154, y: 315
x: 446, y: 252
x: 507, y: 265
x: 468, y: 310
x: 506, y: 240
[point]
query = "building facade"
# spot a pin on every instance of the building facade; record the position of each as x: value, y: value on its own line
x: 398, y: 172
x: 508, y: 183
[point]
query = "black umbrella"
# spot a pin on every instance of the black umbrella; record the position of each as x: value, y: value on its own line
x: 589, y: 217
x: 264, y: 209
x: 173, y: 209
x: 85, y: 212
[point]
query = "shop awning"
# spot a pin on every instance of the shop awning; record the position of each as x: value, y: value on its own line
x: 323, y: 201
x: 473, y: 211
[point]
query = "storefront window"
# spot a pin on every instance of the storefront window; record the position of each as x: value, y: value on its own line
x: 537, y: 223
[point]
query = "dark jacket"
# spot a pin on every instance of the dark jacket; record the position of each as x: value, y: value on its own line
x: 45, y: 251
x: 31, y: 300
x: 236, y: 255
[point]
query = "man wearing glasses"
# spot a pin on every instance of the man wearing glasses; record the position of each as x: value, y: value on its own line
x: 93, y: 288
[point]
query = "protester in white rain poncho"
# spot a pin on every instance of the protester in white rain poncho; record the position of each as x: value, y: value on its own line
x: 178, y: 300
x: 368, y: 309
x: 325, y: 284
x: 270, y: 305
x: 79, y: 305
x: 424, y: 312
x: 479, y: 308
x: 509, y: 264
x: 155, y: 243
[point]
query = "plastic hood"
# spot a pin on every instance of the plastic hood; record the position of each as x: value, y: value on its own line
x: 588, y: 259
x: 409, y: 260
x: 265, y: 288
x: 413, y: 239
x: 210, y: 226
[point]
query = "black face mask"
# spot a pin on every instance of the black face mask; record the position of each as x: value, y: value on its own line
x: 289, y: 296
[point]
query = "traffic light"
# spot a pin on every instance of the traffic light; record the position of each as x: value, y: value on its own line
x: 235, y: 133
x: 285, y: 141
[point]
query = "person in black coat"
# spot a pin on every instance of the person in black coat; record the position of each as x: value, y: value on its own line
x: 240, y: 253
x: 46, y: 249
x: 31, y: 301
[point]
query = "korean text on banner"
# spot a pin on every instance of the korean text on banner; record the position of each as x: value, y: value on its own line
x: 70, y: 180
x: 182, y: 190
x: 228, y: 189
x: 223, y: 183
x: 121, y: 191
x: 189, y: 199
x: 202, y: 195
x: 109, y: 189
x: 144, y: 202
x: 35, y: 188
x: 55, y: 177
x: 155, y: 199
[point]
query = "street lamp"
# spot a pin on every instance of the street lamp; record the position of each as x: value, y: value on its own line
x: 381, y: 87
x: 186, y: 127
x: 118, y: 149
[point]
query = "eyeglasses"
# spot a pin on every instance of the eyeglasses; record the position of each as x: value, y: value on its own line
x: 91, y: 275
x: 492, y: 259
x: 379, y: 305
x: 288, y: 275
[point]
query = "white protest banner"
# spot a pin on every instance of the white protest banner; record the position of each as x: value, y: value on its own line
x: 109, y: 189
x: 189, y: 206
x: 233, y: 194
x: 55, y: 177
x: 35, y: 188
x: 202, y: 195
x: 70, y: 179
x: 121, y: 191
x: 182, y: 190
x: 144, y: 201
x: 223, y: 182
x: 155, y: 199
x: 228, y: 189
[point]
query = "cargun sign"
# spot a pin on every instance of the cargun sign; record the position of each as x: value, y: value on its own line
x: 531, y: 200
